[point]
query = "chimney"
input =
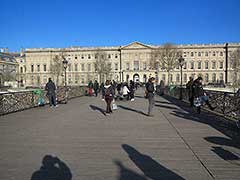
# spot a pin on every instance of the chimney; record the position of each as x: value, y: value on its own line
x: 21, y: 52
x: 6, y: 50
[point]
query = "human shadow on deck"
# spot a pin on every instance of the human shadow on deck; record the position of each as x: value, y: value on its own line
x: 225, y: 154
x: 133, y: 110
x: 52, y: 168
x: 151, y: 168
x: 95, y: 108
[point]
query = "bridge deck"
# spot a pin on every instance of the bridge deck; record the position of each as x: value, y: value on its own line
x: 176, y: 143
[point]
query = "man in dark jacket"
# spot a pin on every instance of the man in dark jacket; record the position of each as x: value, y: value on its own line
x: 189, y: 87
x: 108, y: 94
x: 50, y: 88
x: 96, y: 87
x: 198, y: 92
x: 150, y: 95
x: 131, y: 89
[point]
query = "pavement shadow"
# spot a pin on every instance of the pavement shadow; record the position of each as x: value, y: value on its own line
x: 164, y: 106
x: 225, y: 154
x: 126, y: 173
x: 163, y: 102
x: 95, y: 108
x: 52, y: 168
x: 133, y: 110
x: 222, y: 141
x: 151, y: 168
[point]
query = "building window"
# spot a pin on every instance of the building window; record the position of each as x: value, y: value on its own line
x: 76, y: 67
x: 44, y: 67
x: 185, y: 65
x: 76, y: 79
x: 96, y: 56
x: 221, y: 65
x: 192, y: 65
x: 127, y: 66
x: 89, y: 67
x: 192, y: 54
x: 206, y: 53
x: 214, y: 77
x: 116, y: 56
x: 144, y: 66
x: 221, y: 77
x: 38, y: 68
x: 109, y: 56
x: 82, y: 79
x: 89, y: 56
x: 75, y: 57
x: 214, y: 53
x: 177, y: 66
x: 199, y: 65
x: 164, y: 77
x: 69, y: 67
x: 193, y: 76
x: 178, y: 78
x: 213, y: 65
x: 32, y: 68
x: 82, y: 67
x: 206, y: 77
x: 116, y: 66
x: 82, y: 57
x: 206, y: 64
x: 221, y: 53
x: 185, y: 78
x: 199, y: 53
x: 21, y: 69
x: 136, y: 65
x: 171, y: 78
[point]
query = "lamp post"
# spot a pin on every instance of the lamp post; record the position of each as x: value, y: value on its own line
x: 65, y: 63
x: 120, y: 59
x: 181, y: 63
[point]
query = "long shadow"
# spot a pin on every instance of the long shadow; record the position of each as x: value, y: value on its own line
x: 52, y: 168
x: 223, y: 141
x: 225, y: 154
x: 127, y: 174
x: 162, y: 102
x: 133, y: 110
x: 164, y: 106
x: 149, y: 166
x: 219, y: 123
x: 95, y: 108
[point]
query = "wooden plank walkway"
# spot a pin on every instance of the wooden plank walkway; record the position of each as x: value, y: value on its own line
x: 176, y: 143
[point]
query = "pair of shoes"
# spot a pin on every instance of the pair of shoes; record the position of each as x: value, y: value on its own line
x: 56, y: 106
x: 132, y: 99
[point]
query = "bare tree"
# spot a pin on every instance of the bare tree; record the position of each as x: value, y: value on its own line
x: 165, y: 58
x: 235, y: 61
x: 56, y: 67
x: 102, y: 64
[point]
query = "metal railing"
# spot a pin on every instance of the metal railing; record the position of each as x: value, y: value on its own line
x: 17, y: 101
x: 226, y: 103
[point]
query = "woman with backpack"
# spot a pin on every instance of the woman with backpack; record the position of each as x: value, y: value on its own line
x: 108, y: 93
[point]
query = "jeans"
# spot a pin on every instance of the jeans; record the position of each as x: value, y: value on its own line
x: 151, y: 103
x: 108, y: 100
x: 52, y: 99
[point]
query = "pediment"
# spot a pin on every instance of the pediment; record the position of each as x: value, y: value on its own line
x: 136, y: 45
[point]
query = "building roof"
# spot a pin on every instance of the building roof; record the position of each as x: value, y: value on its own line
x: 7, y: 58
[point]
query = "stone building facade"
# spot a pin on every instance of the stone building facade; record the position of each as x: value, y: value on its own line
x: 130, y: 62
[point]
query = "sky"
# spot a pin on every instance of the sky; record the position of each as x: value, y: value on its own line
x: 64, y: 23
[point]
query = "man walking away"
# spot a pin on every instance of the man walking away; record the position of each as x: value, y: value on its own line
x: 198, y: 92
x: 96, y: 88
x: 50, y: 88
x: 150, y: 95
x: 108, y: 94
x: 189, y: 87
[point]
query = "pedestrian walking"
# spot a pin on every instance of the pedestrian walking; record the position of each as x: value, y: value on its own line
x: 189, y: 87
x: 199, y: 95
x: 131, y: 89
x: 108, y: 95
x: 125, y: 91
x: 90, y: 88
x: 96, y: 87
x: 51, y: 88
x: 150, y: 95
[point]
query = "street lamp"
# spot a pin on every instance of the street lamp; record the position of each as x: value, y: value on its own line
x: 65, y: 63
x: 181, y: 63
x: 120, y: 58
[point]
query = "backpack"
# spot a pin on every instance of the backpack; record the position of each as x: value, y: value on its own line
x: 108, y: 92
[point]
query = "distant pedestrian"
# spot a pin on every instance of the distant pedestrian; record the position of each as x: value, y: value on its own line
x: 189, y: 87
x: 119, y: 87
x: 96, y: 88
x: 51, y: 88
x: 90, y: 88
x: 108, y: 94
x: 150, y: 95
x: 131, y: 89
x: 125, y: 91
x: 200, y: 95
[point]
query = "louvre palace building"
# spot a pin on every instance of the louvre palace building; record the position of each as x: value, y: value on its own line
x: 128, y: 62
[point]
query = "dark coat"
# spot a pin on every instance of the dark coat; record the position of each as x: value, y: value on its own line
x: 50, y: 88
x: 189, y: 87
x: 197, y: 89
x: 96, y: 86
x: 108, y: 91
x: 150, y: 88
